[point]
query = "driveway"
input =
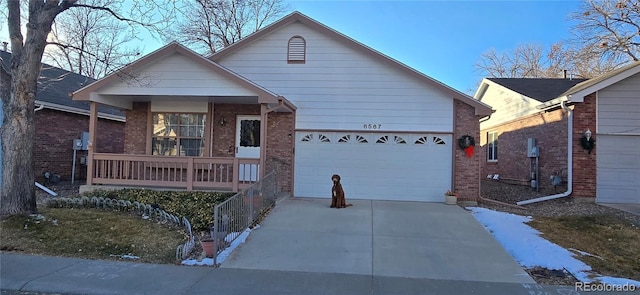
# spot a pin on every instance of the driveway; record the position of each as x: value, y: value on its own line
x: 377, y: 238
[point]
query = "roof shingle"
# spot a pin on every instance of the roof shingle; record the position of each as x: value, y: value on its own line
x: 540, y: 89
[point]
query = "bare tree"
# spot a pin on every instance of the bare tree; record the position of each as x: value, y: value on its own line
x: 526, y: 61
x: 19, y: 85
x: 607, y: 36
x: 90, y: 42
x: 610, y: 28
x: 215, y: 24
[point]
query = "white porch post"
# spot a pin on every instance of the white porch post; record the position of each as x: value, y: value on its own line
x: 263, y: 139
x: 93, y: 124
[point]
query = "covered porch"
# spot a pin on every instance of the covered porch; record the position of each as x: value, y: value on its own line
x: 190, y: 124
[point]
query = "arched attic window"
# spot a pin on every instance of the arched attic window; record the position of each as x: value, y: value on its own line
x: 297, y: 50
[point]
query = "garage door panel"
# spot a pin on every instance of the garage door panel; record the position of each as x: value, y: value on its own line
x: 618, y: 169
x: 374, y: 165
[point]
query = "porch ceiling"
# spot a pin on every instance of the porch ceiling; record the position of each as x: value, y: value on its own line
x: 125, y: 101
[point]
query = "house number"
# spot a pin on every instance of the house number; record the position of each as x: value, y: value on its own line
x: 372, y: 126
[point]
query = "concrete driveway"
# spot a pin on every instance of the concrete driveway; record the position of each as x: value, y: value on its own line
x: 377, y: 238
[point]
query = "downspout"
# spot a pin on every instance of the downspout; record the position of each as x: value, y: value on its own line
x: 39, y: 108
x: 569, y: 161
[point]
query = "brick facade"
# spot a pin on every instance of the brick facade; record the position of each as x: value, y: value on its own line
x: 135, y: 131
x: 280, y: 135
x: 584, y: 164
x: 549, y: 129
x: 55, y: 132
x: 466, y: 180
x: 224, y: 137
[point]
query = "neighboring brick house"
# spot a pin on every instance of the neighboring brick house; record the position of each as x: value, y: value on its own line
x: 297, y: 98
x: 608, y: 107
x: 59, y: 120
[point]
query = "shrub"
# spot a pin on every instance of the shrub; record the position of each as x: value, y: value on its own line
x: 196, y: 206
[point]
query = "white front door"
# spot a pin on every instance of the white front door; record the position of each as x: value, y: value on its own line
x: 248, y: 145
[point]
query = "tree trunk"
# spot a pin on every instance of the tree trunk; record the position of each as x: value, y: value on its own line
x: 17, y: 131
x: 18, y: 186
x: 18, y: 102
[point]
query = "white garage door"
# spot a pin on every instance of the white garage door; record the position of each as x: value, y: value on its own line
x: 408, y: 167
x: 618, y: 174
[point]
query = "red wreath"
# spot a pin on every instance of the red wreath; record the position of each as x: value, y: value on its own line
x: 466, y: 143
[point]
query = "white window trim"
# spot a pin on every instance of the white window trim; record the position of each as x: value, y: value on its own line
x: 491, y: 146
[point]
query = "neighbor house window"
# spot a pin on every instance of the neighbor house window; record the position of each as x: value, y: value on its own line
x: 297, y: 50
x: 492, y: 146
x: 178, y: 134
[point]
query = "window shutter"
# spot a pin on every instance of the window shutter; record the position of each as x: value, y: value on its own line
x: 297, y: 49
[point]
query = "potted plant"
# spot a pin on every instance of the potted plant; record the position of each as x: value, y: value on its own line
x: 208, y: 246
x: 450, y: 198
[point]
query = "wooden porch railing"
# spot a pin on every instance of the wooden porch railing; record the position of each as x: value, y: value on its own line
x: 174, y: 172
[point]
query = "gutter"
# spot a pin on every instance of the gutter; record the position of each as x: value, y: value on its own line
x: 563, y: 104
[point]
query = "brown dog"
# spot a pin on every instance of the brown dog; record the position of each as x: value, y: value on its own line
x: 337, y: 194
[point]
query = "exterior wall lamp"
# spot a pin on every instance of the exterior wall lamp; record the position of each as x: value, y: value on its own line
x: 587, y: 142
x: 222, y: 121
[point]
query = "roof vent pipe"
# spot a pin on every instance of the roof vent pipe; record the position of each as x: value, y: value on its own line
x: 569, y: 161
x: 4, y: 46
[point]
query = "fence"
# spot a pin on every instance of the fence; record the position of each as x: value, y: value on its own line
x: 178, y: 172
x: 233, y: 216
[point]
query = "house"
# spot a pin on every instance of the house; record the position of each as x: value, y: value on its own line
x: 584, y: 133
x: 59, y: 120
x: 297, y: 98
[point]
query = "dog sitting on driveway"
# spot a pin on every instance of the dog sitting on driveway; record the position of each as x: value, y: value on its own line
x: 337, y: 194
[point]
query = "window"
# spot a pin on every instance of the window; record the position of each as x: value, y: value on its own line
x: 492, y: 146
x: 297, y: 50
x: 178, y: 134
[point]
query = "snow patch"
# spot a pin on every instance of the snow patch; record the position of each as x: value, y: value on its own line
x: 528, y: 248
x: 226, y: 252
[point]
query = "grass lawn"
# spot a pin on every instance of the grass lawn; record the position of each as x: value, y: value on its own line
x: 91, y: 233
x: 615, y: 243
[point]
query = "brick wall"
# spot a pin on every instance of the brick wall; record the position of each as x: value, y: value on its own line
x: 584, y: 164
x: 280, y: 136
x: 513, y: 165
x: 466, y: 170
x: 224, y: 137
x: 135, y: 139
x: 55, y: 132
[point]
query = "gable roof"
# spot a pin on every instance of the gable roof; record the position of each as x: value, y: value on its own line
x: 480, y: 107
x: 540, y: 89
x: 55, y: 86
x: 264, y: 95
x: 579, y: 91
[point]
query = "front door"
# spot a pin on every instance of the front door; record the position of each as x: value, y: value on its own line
x: 248, y: 145
x: 248, y: 137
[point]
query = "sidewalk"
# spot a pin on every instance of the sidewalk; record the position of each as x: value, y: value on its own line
x: 44, y: 274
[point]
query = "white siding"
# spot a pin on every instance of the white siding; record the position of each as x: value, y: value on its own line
x: 177, y: 75
x: 619, y: 107
x: 509, y: 105
x: 340, y: 88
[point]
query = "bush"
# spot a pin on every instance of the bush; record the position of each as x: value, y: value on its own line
x: 196, y: 206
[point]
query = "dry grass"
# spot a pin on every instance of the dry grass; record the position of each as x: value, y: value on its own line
x: 615, y: 242
x: 89, y: 233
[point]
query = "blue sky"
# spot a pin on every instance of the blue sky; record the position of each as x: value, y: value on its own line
x: 444, y: 39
